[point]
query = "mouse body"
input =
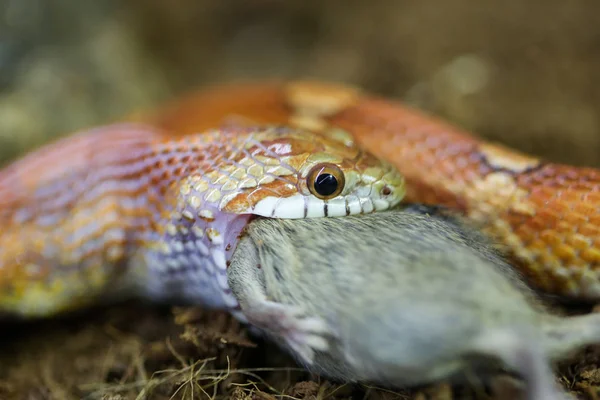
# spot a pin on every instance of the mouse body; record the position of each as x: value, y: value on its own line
x: 399, y: 298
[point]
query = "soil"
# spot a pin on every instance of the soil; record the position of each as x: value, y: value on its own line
x: 523, y: 73
x: 136, y: 351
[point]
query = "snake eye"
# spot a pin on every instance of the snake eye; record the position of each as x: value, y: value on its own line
x: 326, y: 181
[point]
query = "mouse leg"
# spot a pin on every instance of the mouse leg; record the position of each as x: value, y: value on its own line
x: 303, y: 334
x: 525, y: 356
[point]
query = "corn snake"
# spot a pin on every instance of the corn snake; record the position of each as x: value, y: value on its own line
x: 546, y: 214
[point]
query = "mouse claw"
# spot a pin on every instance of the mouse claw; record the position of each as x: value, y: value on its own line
x: 315, y: 324
x: 304, y: 345
x: 302, y: 334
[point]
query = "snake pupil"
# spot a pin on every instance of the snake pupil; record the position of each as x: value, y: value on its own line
x: 326, y: 184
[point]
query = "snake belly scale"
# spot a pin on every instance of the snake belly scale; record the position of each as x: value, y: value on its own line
x: 130, y: 208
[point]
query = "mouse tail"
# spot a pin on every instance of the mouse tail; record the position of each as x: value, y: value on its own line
x: 565, y: 336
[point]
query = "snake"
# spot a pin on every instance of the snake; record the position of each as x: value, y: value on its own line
x: 134, y: 209
x: 154, y: 204
x: 545, y: 215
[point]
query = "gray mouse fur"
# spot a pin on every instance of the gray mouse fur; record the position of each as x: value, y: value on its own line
x: 399, y: 298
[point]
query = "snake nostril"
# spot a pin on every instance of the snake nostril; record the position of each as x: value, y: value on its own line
x: 386, y: 191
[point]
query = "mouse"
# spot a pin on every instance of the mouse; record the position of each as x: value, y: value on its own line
x: 401, y: 298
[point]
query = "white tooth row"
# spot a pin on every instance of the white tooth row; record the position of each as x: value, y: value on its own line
x: 294, y: 207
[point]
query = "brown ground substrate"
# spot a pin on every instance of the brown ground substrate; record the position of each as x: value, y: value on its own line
x: 133, y: 351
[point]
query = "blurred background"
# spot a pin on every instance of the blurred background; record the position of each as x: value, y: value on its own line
x: 526, y: 73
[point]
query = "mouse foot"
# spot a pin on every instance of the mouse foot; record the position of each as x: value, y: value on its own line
x: 303, y: 334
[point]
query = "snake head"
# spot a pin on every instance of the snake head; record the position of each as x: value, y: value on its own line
x: 293, y: 173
